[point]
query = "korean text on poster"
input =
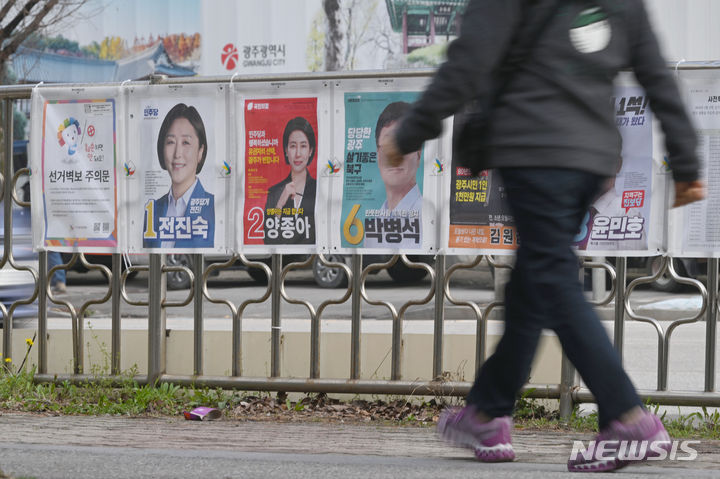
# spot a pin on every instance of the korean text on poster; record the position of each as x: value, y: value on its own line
x: 281, y: 139
x: 78, y: 173
x: 698, y: 229
x: 479, y: 215
x: 178, y: 178
x: 618, y: 219
x: 382, y: 205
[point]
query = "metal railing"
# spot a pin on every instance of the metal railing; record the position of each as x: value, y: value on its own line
x: 440, y: 292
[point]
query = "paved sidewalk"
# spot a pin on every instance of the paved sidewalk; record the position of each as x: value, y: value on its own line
x: 538, y: 452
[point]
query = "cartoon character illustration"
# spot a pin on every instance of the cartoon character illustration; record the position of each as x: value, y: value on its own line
x: 68, y: 136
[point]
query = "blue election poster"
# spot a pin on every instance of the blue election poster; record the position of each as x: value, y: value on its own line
x: 381, y: 205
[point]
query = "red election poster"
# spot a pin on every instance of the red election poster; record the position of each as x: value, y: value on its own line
x: 281, y: 160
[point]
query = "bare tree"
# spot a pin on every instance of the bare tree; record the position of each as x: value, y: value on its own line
x: 355, y: 29
x: 334, y: 35
x: 20, y: 18
x: 359, y: 19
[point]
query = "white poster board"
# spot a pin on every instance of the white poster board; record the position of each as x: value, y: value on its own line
x: 74, y: 153
x: 695, y: 229
x: 178, y: 177
x: 377, y: 209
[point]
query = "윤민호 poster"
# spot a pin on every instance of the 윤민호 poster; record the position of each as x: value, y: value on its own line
x: 183, y: 172
x: 382, y: 207
x: 281, y: 158
x: 79, y: 189
x: 618, y: 221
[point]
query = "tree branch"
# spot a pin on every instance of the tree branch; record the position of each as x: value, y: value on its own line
x: 334, y: 37
x: 23, y: 13
x: 6, y: 8
x: 17, y: 40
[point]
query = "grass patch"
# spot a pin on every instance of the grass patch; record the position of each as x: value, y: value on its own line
x: 19, y: 392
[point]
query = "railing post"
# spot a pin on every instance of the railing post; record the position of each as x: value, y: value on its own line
x: 275, y: 325
x: 439, y: 326
x: 198, y: 267
x: 7, y: 206
x: 156, y: 319
x: 619, y: 329
x: 42, y: 312
x: 356, y: 268
x: 115, y: 332
x: 599, y: 287
x: 567, y: 384
x: 711, y: 324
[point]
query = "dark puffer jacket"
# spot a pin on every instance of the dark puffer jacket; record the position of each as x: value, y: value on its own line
x: 556, y: 110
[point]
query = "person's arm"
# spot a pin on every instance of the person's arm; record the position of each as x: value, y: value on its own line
x: 486, y: 31
x: 659, y: 83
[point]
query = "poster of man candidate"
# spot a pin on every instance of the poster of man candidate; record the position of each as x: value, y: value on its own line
x: 181, y: 170
x: 382, y: 206
x: 618, y: 221
x: 79, y: 188
x: 281, y: 158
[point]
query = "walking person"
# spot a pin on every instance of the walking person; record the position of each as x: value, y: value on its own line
x: 553, y: 139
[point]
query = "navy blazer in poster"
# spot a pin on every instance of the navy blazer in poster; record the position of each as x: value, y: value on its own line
x: 201, y: 207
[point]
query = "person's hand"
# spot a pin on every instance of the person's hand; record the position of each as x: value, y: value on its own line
x: 288, y: 192
x: 391, y: 151
x: 687, y: 192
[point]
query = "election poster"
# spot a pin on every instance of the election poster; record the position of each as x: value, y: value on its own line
x: 695, y: 229
x: 479, y: 215
x: 382, y: 205
x: 480, y: 218
x: 618, y: 222
x: 77, y: 171
x: 180, y: 173
x: 281, y: 140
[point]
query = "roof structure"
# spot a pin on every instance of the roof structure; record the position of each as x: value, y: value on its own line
x: 34, y: 66
x: 419, y: 13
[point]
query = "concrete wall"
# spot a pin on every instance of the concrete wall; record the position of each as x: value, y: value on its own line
x: 459, y: 350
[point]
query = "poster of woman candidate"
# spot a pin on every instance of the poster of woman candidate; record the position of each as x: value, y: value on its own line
x: 77, y: 157
x: 180, y: 173
x: 383, y: 207
x: 281, y: 140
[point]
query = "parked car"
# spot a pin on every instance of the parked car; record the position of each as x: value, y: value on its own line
x: 687, y: 267
x: 325, y: 277
x: 18, y: 284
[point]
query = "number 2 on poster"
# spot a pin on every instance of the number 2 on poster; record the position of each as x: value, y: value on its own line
x: 256, y: 217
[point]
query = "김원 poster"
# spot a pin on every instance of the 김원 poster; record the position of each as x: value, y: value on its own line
x: 179, y: 187
x: 480, y: 217
x: 281, y: 158
x: 381, y: 205
x: 78, y: 173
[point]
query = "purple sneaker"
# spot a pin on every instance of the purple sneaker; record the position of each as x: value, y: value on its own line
x: 619, y: 445
x: 490, y: 441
